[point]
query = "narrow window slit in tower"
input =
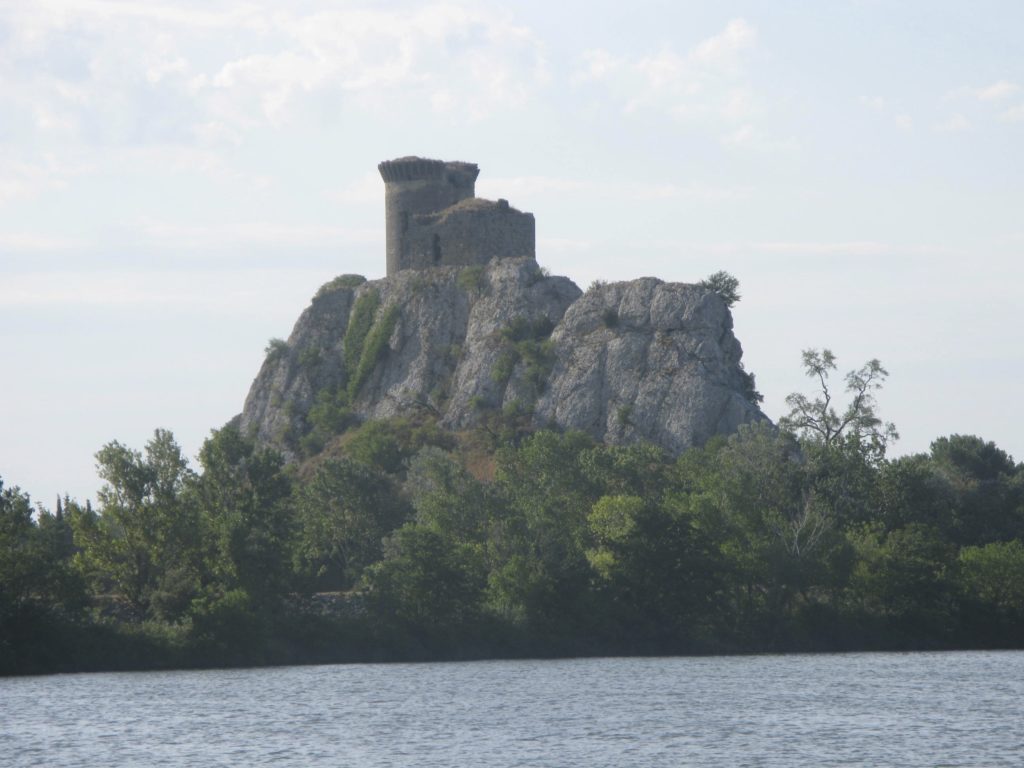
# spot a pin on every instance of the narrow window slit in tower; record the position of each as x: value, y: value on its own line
x: 437, y: 249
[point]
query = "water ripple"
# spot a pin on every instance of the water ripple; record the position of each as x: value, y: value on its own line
x: 927, y: 709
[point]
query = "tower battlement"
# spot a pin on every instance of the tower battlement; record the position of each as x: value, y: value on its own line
x: 423, y: 169
x: 433, y: 217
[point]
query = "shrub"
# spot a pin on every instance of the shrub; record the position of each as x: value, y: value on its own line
x: 624, y: 413
x: 501, y: 372
x: 522, y: 328
x: 387, y: 444
x: 749, y: 387
x: 341, y: 281
x: 276, y: 349
x: 526, y: 340
x: 310, y: 357
x: 329, y: 416
x: 471, y: 279
x: 724, y: 284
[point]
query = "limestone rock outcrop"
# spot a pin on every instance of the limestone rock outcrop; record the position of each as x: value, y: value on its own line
x: 642, y: 360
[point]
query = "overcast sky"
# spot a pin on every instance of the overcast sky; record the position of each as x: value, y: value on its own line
x: 177, y: 179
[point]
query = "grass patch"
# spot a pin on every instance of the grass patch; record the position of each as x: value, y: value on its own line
x: 375, y: 342
x: 359, y: 325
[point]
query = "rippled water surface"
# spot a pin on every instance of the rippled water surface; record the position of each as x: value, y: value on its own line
x: 948, y: 709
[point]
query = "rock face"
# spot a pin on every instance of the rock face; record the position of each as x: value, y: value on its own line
x: 625, y: 362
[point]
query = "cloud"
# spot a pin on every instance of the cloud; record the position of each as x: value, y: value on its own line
x: 21, y: 242
x: 877, y: 103
x: 1014, y: 114
x: 248, y: 233
x: 522, y: 187
x: 451, y: 56
x: 723, y: 49
x: 749, y: 137
x: 368, y: 188
x: 562, y: 245
x: 208, y: 291
x: 955, y: 124
x: 596, y: 65
x: 999, y: 90
x: 811, y: 248
x: 24, y: 179
x: 159, y: 72
x: 705, y: 84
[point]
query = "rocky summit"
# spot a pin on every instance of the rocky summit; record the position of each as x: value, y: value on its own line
x: 468, y: 329
x: 642, y: 360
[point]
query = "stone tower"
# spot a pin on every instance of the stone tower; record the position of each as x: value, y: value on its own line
x: 434, y: 219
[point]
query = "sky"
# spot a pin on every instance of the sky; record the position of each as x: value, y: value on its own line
x: 177, y: 179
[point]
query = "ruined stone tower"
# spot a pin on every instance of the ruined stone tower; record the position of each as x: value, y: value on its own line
x: 434, y: 219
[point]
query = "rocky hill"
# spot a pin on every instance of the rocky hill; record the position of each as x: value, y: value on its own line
x: 642, y: 360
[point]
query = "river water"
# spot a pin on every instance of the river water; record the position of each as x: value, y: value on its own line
x: 921, y: 709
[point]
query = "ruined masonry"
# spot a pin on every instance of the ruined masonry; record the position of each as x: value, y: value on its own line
x: 433, y: 217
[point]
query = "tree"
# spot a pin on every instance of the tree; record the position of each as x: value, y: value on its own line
x: 142, y: 543
x: 39, y: 589
x: 994, y: 575
x: 543, y: 573
x: 988, y: 489
x: 844, y: 450
x: 244, y: 497
x: 448, y: 499
x: 815, y: 419
x: 343, y: 513
x: 724, y: 284
x: 905, y: 578
x: 428, y: 581
x: 778, y: 528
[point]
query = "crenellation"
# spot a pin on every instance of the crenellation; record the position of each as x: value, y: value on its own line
x: 433, y: 217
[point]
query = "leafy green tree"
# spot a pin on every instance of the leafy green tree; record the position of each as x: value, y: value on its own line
x: 543, y: 576
x: 994, y: 574
x: 987, y: 486
x: 244, y: 496
x: 387, y: 444
x: 640, y: 469
x: 428, y: 582
x: 815, y: 420
x: 19, y: 555
x: 35, y: 558
x: 780, y: 536
x: 907, y: 579
x: 844, y: 451
x: 913, y: 489
x: 41, y: 595
x: 610, y: 522
x: 448, y: 499
x: 725, y: 285
x: 144, y: 537
x: 343, y: 514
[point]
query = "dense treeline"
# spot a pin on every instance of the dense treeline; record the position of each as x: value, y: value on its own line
x: 402, y: 541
